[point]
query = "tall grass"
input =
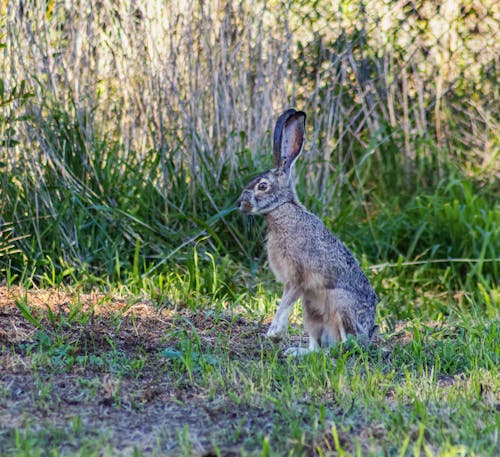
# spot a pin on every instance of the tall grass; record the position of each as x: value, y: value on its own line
x: 147, y: 118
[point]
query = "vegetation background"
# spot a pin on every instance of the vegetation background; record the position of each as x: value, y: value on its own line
x: 128, y: 130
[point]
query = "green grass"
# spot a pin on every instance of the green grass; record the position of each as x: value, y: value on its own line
x: 134, y: 298
x: 430, y: 385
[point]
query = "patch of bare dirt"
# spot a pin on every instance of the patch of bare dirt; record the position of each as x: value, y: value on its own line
x: 147, y: 409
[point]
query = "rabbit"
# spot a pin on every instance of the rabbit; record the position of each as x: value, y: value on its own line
x: 310, y: 262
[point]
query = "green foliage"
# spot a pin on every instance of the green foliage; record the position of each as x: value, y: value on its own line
x: 19, y: 95
x: 120, y: 165
x: 113, y: 180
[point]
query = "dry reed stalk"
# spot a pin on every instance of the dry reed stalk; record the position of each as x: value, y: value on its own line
x: 187, y: 78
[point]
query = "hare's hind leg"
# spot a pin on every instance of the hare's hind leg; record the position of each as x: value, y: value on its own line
x: 351, y: 315
x: 328, y: 332
x: 313, y: 307
x: 297, y: 351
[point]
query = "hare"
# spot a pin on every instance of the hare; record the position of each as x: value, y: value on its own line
x: 312, y: 264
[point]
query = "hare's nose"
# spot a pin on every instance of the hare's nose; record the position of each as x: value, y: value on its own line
x: 239, y: 203
x: 243, y: 203
x: 240, y: 200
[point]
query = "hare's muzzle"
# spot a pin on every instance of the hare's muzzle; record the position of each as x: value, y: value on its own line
x: 244, y: 204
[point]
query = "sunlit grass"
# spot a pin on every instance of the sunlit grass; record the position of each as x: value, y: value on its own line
x: 425, y: 384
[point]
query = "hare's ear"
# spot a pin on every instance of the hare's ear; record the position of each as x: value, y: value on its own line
x: 288, y: 138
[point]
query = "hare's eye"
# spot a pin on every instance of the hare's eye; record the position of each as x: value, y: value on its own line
x: 262, y: 186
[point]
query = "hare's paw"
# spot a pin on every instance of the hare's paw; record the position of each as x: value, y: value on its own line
x: 276, y: 330
x: 296, y: 352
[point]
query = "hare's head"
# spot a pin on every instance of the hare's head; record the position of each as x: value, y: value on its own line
x: 275, y: 187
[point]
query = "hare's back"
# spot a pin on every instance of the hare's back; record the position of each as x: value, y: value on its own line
x: 299, y: 246
x: 318, y: 254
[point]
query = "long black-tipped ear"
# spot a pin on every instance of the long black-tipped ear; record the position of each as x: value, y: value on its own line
x: 288, y: 138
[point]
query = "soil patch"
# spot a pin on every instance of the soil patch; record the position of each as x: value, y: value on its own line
x: 99, y: 400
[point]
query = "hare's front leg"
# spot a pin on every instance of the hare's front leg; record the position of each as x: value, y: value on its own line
x: 291, y: 294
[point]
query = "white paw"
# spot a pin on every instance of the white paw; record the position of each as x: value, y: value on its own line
x: 296, y: 352
x: 275, y: 332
